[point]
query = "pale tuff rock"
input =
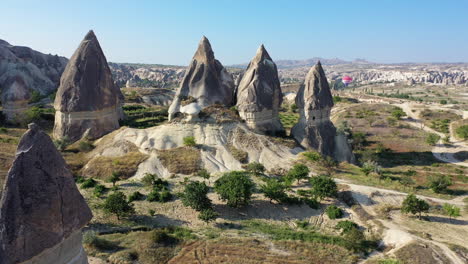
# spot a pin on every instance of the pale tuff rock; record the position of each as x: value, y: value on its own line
x: 314, y: 101
x: 87, y: 99
x: 15, y: 98
x: 41, y: 210
x: 259, y: 95
x: 206, y: 81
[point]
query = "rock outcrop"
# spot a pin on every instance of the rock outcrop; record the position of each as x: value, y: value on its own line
x: 15, y: 98
x: 314, y: 101
x: 206, y: 82
x: 41, y: 210
x: 259, y: 95
x: 87, y: 102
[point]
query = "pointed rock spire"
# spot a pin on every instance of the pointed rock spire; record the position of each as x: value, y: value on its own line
x: 41, y: 206
x: 314, y: 101
x: 87, y: 98
x: 204, y: 52
x: 206, y: 81
x: 259, y: 95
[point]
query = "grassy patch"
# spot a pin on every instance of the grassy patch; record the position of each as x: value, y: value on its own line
x: 419, y: 253
x: 126, y: 165
x: 183, y: 160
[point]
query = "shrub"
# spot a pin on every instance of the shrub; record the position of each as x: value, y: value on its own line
x: 160, y: 236
x: 323, y: 186
x: 31, y: 115
x: 359, y: 140
x: 118, y: 205
x: 346, y: 226
x: 255, y: 168
x: 90, y: 238
x: 151, y: 212
x: 88, y: 183
x: 189, y: 141
x: 99, y: 190
x: 443, y: 101
x: 398, y: 113
x: 312, y: 155
x: 35, y: 97
x: 439, y: 184
x: 432, y: 139
x: 149, y: 179
x: 298, y: 172
x: 195, y: 196
x: 135, y: 196
x: 204, y: 174
x: 235, y: 188
x: 85, y: 146
x: 208, y: 215
x: 334, y: 212
x: 413, y: 205
x: 62, y: 144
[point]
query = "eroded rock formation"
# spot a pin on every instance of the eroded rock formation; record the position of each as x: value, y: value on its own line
x: 259, y: 95
x: 41, y: 210
x: 87, y: 101
x: 314, y: 101
x: 206, y: 82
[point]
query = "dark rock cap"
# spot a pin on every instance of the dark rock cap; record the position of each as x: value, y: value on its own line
x: 315, y: 93
x: 41, y: 205
x: 86, y: 83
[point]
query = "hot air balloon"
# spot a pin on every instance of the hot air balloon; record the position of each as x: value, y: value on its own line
x: 346, y: 80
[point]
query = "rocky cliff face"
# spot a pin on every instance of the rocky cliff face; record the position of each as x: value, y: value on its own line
x: 87, y: 101
x: 259, y: 95
x: 314, y: 101
x: 39, y: 71
x: 41, y: 210
x: 206, y: 81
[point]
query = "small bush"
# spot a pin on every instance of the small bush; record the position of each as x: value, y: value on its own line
x: 90, y: 238
x: 118, y: 205
x: 135, y: 196
x: 85, y: 146
x: 151, y: 212
x: 432, y: 139
x: 88, y: 183
x: 208, y: 215
x: 160, y: 236
x: 462, y: 131
x: 334, y: 212
x: 190, y: 141
x: 312, y: 156
x: 99, y: 190
x: 62, y: 144
x: 440, y: 183
x: 298, y: 172
x: 346, y: 226
x: 255, y: 168
x: 235, y: 188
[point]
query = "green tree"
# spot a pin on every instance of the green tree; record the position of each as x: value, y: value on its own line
x: 413, y: 205
x: 235, y: 188
x: 398, y: 113
x: 443, y: 101
x: 116, y: 203
x: 298, y: 172
x: 114, y: 178
x: 359, y: 140
x: 208, y: 215
x: 440, y: 183
x: 195, y: 195
x: 255, y: 168
x: 190, y: 141
x: 323, y: 186
x: 432, y: 139
x: 274, y: 189
x: 149, y: 179
x: 451, y: 210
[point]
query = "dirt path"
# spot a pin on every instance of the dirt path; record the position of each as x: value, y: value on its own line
x: 458, y: 201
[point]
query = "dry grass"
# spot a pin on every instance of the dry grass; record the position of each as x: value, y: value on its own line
x: 416, y: 253
x: 240, y: 155
x: 250, y: 251
x: 183, y: 160
x: 102, y: 167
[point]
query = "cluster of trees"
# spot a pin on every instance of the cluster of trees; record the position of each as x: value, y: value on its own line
x: 414, y: 205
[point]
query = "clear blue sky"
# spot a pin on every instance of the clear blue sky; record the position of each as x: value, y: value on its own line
x: 167, y: 32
